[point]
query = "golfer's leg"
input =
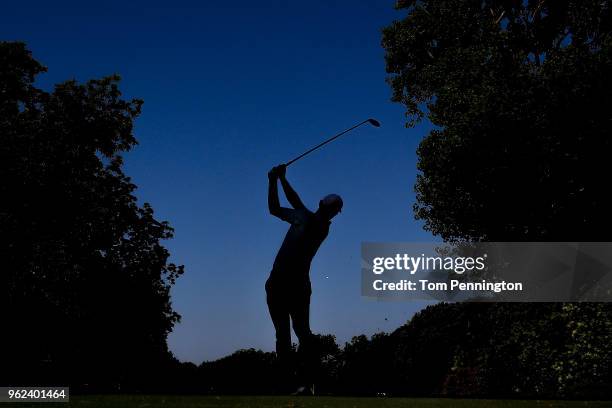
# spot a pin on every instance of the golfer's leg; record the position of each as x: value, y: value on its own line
x: 279, y: 313
x: 280, y: 318
x: 300, y: 313
x: 300, y: 316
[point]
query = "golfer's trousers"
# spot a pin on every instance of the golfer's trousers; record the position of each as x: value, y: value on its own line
x: 289, y: 302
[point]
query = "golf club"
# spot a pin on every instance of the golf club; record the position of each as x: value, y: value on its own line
x: 373, y: 122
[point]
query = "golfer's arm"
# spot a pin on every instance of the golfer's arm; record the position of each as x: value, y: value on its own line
x: 273, y: 202
x: 291, y: 195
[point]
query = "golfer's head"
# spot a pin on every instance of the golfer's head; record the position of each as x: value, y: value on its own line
x: 330, y: 205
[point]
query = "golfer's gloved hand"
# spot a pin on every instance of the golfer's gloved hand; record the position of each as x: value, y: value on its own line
x: 272, y: 175
x: 277, y: 171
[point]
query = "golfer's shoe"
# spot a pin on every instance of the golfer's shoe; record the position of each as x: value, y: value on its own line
x: 307, y: 390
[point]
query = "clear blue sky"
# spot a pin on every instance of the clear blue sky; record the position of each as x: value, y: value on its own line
x: 231, y: 89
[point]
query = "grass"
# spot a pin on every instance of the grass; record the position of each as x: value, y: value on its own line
x: 153, y: 401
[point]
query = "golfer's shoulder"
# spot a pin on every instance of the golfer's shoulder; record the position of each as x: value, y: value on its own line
x: 316, y: 221
x: 303, y: 214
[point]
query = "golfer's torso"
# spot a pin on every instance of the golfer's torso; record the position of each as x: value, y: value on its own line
x: 300, y: 245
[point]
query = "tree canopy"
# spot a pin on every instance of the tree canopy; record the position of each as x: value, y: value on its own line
x: 85, y: 278
x: 518, y: 93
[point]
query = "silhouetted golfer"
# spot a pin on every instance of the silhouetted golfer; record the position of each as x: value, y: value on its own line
x: 288, y: 287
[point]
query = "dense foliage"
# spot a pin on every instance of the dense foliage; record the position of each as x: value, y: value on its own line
x: 85, y: 279
x: 518, y: 93
x: 455, y: 350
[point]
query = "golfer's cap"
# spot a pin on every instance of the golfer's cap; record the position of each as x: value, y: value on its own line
x: 332, y: 199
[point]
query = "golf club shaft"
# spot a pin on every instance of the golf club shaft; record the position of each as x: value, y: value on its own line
x: 324, y: 143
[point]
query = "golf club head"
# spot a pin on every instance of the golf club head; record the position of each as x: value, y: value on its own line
x: 374, y: 122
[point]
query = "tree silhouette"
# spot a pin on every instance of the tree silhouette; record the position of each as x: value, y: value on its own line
x: 518, y: 92
x: 85, y: 279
